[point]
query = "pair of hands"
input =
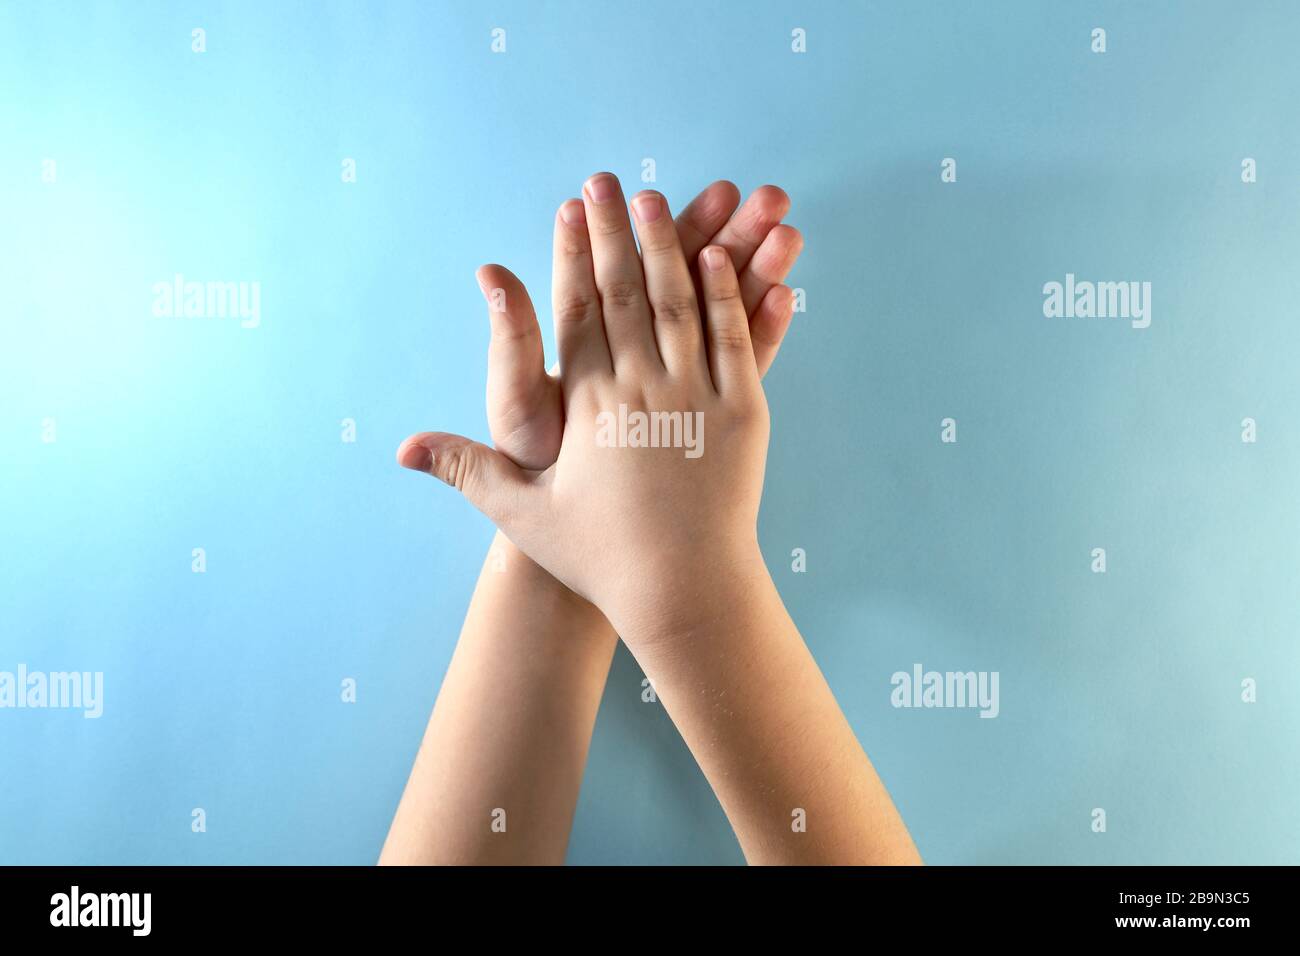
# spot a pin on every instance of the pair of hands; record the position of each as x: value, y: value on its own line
x: 687, y: 325
x: 663, y: 543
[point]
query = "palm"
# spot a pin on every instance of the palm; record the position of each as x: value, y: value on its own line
x: 528, y: 428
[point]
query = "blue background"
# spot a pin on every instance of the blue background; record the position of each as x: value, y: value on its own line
x: 924, y: 301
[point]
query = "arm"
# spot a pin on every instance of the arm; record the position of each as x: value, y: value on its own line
x: 732, y: 671
x: 514, y: 717
x: 662, y: 534
x: 511, y: 726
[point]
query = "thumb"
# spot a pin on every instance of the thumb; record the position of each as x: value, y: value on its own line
x: 489, y: 480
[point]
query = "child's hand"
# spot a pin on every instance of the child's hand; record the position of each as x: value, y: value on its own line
x: 663, y: 539
x: 525, y: 404
x: 633, y: 529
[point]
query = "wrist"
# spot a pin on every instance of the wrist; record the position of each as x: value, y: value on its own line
x: 682, y: 603
x: 524, y: 577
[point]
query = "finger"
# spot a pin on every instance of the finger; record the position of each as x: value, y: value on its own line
x: 731, y: 353
x: 489, y: 480
x: 517, y: 377
x: 619, y: 279
x: 675, y: 310
x: 769, y: 324
x: 771, y: 263
x: 705, y: 215
x: 745, y: 231
x: 575, y: 303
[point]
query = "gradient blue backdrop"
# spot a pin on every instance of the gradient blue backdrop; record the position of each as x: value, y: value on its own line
x: 924, y: 301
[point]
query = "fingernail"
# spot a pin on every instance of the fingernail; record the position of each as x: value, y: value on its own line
x: 602, y: 187
x: 573, y: 213
x: 648, y: 206
x: 417, y: 457
x: 714, y: 258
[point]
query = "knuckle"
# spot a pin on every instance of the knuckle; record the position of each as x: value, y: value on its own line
x: 752, y: 228
x: 763, y: 334
x: 506, y: 332
x: 622, y: 294
x: 658, y: 242
x: 458, y: 466
x: 574, y: 247
x: 729, y: 338
x: 724, y: 290
x: 753, y: 234
x: 574, y: 307
x: 606, y: 226
x: 676, y: 307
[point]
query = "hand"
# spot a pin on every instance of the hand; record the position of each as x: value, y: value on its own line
x: 526, y: 405
x: 606, y: 519
x: 663, y: 540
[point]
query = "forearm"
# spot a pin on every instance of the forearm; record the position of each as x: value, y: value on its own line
x: 496, y: 778
x: 737, y: 679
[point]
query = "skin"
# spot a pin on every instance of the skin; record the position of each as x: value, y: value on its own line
x: 513, y: 719
x: 665, y: 545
